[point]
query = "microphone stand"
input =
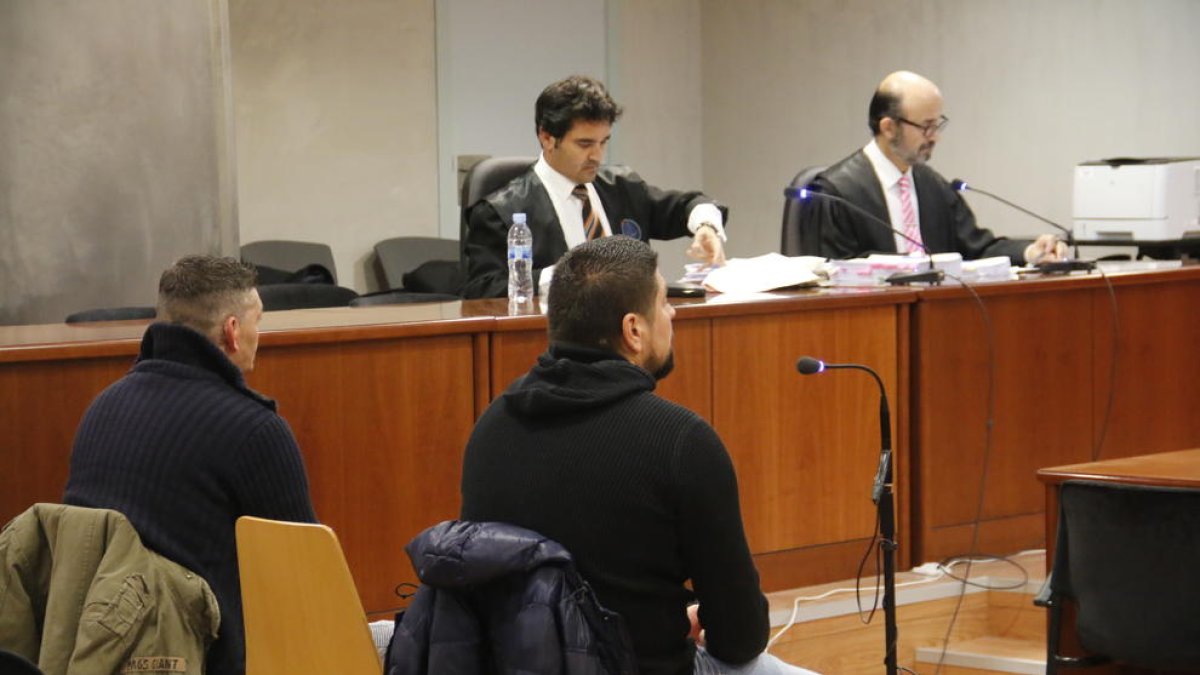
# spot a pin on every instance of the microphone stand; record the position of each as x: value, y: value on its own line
x: 1057, y: 266
x: 933, y: 275
x: 885, y: 502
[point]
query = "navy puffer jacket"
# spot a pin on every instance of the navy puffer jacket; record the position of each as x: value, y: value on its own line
x: 496, y: 598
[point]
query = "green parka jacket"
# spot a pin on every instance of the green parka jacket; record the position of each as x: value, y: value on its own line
x: 81, y: 595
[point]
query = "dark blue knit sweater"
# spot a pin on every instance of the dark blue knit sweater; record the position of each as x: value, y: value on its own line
x: 183, y: 447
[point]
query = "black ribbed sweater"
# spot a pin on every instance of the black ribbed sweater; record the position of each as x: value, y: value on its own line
x: 640, y: 490
x: 183, y: 447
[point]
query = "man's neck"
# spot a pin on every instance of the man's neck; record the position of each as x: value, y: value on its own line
x: 886, y: 149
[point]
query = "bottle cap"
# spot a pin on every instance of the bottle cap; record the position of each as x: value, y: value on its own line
x: 518, y: 218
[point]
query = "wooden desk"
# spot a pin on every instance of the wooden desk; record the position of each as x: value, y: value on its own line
x: 1056, y: 366
x: 1180, y: 468
x: 383, y: 399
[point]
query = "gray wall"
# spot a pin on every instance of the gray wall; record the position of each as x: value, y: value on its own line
x: 110, y: 120
x: 655, y: 51
x: 336, y: 123
x: 1031, y: 87
x: 114, y: 149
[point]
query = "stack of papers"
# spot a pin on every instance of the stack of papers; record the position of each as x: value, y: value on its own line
x: 876, y: 268
x: 764, y: 273
x: 998, y: 268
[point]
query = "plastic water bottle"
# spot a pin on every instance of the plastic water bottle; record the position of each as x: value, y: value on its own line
x: 520, y: 261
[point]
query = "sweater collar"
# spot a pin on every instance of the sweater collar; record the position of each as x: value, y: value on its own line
x: 570, y: 378
x: 178, y: 344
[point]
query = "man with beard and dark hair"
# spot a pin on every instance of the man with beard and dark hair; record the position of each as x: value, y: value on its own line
x: 569, y: 197
x: 890, y: 178
x: 638, y: 489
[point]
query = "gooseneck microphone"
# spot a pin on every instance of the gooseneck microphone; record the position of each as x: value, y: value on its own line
x: 881, y: 494
x: 960, y: 185
x: 807, y: 365
x: 932, y: 275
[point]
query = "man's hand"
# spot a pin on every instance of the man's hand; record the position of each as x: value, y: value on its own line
x: 707, y: 246
x: 1047, y: 248
x: 697, y: 631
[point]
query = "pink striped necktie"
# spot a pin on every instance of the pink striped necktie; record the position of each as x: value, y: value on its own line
x: 908, y: 214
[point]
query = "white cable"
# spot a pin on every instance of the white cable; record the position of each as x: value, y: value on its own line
x: 942, y: 571
x: 796, y: 603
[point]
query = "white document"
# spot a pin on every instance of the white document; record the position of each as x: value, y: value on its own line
x: 764, y: 273
x: 997, y: 268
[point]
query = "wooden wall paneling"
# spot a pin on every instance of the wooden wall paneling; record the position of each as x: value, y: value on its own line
x: 805, y: 448
x: 690, y: 383
x: 903, y: 472
x: 41, y: 404
x: 1157, y: 387
x: 1042, y: 411
x: 482, y: 388
x: 383, y: 400
x: 382, y: 425
x: 793, y: 568
x: 513, y: 353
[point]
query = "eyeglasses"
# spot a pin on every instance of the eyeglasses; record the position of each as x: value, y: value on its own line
x: 928, y: 129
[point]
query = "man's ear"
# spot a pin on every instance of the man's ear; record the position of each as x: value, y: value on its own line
x: 887, y: 127
x: 633, y: 335
x: 229, y: 330
x: 546, y: 140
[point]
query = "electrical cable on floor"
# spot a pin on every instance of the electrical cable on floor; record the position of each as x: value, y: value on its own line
x: 947, y: 566
x: 835, y: 591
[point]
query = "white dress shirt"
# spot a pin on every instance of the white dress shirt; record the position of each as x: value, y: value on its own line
x: 569, y: 210
x: 889, y: 177
x: 567, y: 206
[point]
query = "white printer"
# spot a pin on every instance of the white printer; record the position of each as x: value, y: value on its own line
x: 1148, y: 199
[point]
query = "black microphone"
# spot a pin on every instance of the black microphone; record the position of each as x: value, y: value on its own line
x: 960, y: 185
x: 807, y: 365
x: 881, y: 494
x: 933, y: 275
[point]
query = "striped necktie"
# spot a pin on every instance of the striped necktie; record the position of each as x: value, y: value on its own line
x: 591, y: 221
x: 911, y: 229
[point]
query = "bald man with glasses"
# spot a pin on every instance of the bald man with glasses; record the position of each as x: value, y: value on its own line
x: 891, y: 179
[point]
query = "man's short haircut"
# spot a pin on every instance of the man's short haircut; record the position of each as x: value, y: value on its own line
x: 199, y: 291
x: 883, y: 104
x: 576, y: 98
x: 595, y: 285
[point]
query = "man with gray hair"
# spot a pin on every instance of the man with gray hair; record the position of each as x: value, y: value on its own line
x: 182, y: 446
x: 890, y: 178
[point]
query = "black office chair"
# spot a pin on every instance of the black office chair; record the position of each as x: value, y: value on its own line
x: 1127, y: 557
x: 289, y: 256
x: 419, y: 264
x: 401, y: 297
x: 799, y: 237
x: 276, y: 297
x: 111, y: 314
x: 482, y: 180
